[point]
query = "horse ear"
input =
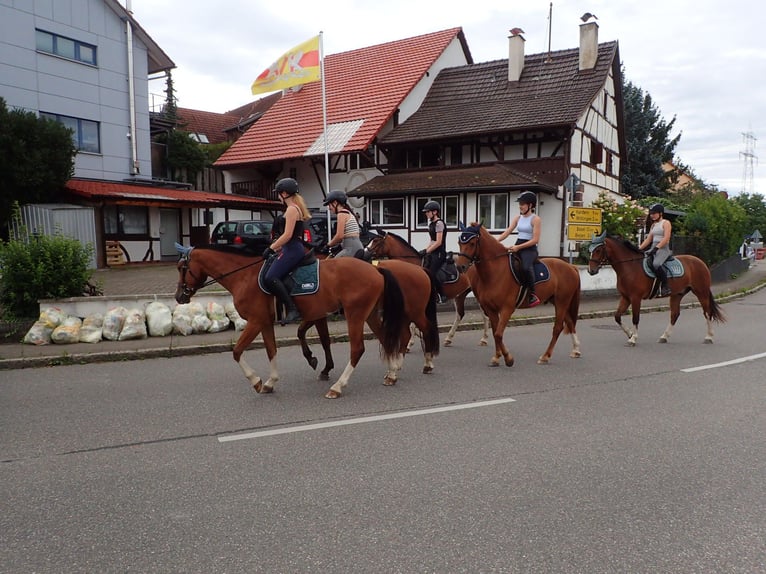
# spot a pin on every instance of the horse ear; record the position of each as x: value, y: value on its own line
x: 461, y: 226
x: 382, y: 232
x: 183, y: 250
x: 599, y: 238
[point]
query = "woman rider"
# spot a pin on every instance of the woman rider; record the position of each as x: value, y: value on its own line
x: 528, y: 225
x: 347, y: 232
x: 658, y: 243
x: 436, y: 252
x: 288, y: 246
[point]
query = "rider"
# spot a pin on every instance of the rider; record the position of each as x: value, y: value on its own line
x: 436, y: 252
x: 347, y: 232
x: 288, y: 246
x: 527, y: 223
x: 657, y: 242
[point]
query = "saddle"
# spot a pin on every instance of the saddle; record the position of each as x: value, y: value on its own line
x: 302, y: 280
x: 673, y: 267
x: 540, y: 271
x: 448, y: 272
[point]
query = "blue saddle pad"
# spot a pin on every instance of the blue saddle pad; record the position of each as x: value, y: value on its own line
x: 673, y: 266
x: 303, y: 280
x: 542, y: 273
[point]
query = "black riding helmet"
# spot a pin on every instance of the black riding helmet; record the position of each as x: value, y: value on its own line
x: 527, y: 197
x: 432, y: 206
x: 339, y: 196
x: 657, y: 208
x: 287, y: 185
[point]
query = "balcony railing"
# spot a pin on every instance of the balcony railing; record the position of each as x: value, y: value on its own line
x: 260, y: 189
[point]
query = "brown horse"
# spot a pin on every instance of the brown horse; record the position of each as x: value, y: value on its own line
x: 419, y: 308
x: 499, y: 292
x: 366, y: 294
x: 392, y: 246
x: 634, y: 284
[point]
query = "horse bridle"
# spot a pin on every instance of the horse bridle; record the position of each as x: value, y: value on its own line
x: 189, y: 292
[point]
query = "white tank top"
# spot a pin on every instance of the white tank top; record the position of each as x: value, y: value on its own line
x: 524, y: 227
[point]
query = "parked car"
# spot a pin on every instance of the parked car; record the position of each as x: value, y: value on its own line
x: 254, y: 235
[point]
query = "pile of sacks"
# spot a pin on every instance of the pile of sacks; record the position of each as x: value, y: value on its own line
x: 122, y: 324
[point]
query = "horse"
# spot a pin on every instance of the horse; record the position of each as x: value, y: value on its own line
x: 366, y: 294
x: 500, y: 294
x: 634, y: 284
x: 391, y: 246
x: 419, y: 308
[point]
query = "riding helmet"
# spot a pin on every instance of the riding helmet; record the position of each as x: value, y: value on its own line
x: 287, y: 185
x: 527, y: 197
x: 657, y: 208
x: 339, y: 196
x: 432, y: 206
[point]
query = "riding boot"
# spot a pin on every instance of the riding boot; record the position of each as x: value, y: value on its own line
x: 440, y: 296
x: 292, y: 315
x: 532, y: 299
x: 662, y: 275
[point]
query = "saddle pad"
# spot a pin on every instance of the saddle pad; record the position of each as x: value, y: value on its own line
x: 673, y: 266
x: 303, y: 280
x: 448, y: 272
x: 542, y: 273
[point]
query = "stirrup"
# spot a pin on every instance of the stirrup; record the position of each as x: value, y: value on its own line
x: 533, y: 301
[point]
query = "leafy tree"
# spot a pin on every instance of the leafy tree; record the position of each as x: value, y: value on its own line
x: 718, y: 221
x: 649, y: 145
x: 185, y: 157
x: 755, y: 210
x: 622, y: 219
x: 36, y: 160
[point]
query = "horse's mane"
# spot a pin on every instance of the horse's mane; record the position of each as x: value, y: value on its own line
x: 403, y: 241
x: 230, y: 249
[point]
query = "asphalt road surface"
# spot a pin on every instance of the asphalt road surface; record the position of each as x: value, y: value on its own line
x: 644, y: 459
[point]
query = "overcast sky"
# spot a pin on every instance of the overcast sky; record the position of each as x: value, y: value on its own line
x: 702, y: 61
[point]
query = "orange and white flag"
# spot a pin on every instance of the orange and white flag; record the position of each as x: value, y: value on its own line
x: 298, y: 66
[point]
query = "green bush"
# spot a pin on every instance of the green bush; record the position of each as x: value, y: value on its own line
x: 42, y: 267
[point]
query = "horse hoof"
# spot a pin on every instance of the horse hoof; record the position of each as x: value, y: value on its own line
x: 543, y: 361
x: 708, y: 341
x: 331, y: 394
x: 447, y: 342
x: 509, y: 362
x: 482, y: 343
x: 324, y: 376
x: 662, y: 340
x: 262, y: 389
x: 630, y: 343
x: 575, y: 354
x: 428, y: 370
x: 389, y: 382
x: 313, y: 362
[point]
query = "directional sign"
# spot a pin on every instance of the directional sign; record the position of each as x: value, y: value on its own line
x: 577, y: 232
x: 590, y: 215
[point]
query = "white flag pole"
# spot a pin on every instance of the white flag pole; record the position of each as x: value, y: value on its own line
x: 324, y: 133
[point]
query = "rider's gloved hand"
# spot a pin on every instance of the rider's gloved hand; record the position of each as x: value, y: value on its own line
x: 268, y: 252
x: 422, y: 253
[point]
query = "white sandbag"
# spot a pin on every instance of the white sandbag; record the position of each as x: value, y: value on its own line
x: 38, y: 334
x: 113, y: 322
x: 182, y: 319
x: 200, y: 323
x: 217, y: 315
x: 134, y: 326
x: 159, y: 319
x: 52, y: 316
x: 234, y: 317
x: 90, y: 331
x: 67, y: 332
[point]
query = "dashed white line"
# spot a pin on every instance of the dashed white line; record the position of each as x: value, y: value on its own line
x: 725, y: 363
x: 360, y: 420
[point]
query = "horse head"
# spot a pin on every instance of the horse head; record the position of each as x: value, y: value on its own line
x: 469, y: 244
x: 597, y: 250
x: 188, y: 281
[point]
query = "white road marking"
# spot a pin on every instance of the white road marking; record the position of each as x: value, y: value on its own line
x: 360, y: 420
x: 725, y: 363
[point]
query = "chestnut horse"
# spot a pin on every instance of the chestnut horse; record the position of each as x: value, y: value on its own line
x: 419, y: 308
x: 634, y: 284
x: 366, y: 294
x: 499, y: 292
x: 394, y: 247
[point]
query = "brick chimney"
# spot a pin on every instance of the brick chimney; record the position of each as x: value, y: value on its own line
x: 588, y: 45
x: 515, y: 55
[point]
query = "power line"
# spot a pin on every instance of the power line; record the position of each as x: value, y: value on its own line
x: 749, y: 159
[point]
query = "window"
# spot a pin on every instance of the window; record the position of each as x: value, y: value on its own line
x: 386, y: 211
x: 456, y: 155
x: 493, y: 211
x: 65, y: 47
x: 123, y: 220
x: 449, y: 205
x: 85, y: 133
x: 596, y: 152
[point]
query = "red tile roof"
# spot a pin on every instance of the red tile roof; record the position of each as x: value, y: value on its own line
x: 140, y: 194
x: 365, y: 85
x: 210, y: 124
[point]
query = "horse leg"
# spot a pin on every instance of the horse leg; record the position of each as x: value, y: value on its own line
x: 485, y: 334
x: 305, y: 349
x: 635, y: 308
x: 498, y: 328
x: 356, y: 343
x: 622, y: 306
x: 558, y: 326
x: 675, y: 312
x: 459, y: 303
x: 324, y: 338
x: 249, y: 333
x: 410, y: 338
x: 707, y: 301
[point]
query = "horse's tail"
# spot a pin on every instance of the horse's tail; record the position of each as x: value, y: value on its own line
x: 430, y: 340
x: 716, y: 313
x: 392, y: 315
x: 574, y: 308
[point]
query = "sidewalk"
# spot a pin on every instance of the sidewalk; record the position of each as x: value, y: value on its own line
x: 161, y: 279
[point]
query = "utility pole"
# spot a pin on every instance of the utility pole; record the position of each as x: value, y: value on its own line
x: 749, y: 158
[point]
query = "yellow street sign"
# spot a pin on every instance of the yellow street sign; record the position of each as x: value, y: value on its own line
x: 583, y: 215
x: 576, y: 232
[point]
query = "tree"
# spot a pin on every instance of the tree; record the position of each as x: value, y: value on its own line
x: 647, y: 136
x: 36, y: 160
x: 716, y: 220
x: 755, y: 210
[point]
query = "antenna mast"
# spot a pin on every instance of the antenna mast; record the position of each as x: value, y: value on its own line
x: 749, y: 158
x: 550, y: 27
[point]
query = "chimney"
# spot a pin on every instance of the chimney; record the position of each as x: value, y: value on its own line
x: 515, y: 55
x: 588, y: 45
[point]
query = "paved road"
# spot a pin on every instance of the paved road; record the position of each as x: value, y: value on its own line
x: 621, y: 461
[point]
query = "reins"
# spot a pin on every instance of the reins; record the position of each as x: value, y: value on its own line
x: 212, y: 280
